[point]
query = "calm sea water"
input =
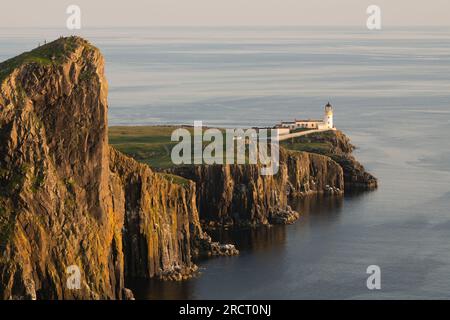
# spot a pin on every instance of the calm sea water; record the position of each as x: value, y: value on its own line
x: 391, y: 93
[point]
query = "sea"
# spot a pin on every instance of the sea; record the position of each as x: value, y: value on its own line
x: 390, y: 90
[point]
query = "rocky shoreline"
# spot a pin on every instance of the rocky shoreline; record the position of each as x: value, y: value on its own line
x: 238, y: 196
x: 284, y: 217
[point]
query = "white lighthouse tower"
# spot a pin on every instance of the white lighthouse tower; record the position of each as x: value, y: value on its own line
x: 328, y: 117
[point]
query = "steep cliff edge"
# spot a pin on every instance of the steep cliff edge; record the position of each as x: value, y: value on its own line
x: 69, y: 201
x: 162, y: 232
x: 337, y: 146
x: 240, y: 195
x: 56, y: 208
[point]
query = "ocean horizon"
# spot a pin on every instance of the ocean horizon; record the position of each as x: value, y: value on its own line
x: 390, y: 93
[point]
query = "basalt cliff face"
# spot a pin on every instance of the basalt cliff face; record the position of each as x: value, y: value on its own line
x: 56, y: 204
x: 161, y: 232
x: 68, y: 201
x: 240, y: 195
x: 72, y: 207
x: 339, y: 148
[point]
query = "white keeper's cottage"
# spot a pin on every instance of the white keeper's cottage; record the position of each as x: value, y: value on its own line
x: 326, y: 123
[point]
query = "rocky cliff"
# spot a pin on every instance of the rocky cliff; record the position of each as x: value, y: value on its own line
x: 337, y: 146
x: 56, y: 205
x: 161, y: 233
x: 240, y: 195
x: 69, y: 202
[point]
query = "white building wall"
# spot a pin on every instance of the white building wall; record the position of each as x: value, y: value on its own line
x: 328, y: 120
x: 307, y: 124
x: 283, y: 131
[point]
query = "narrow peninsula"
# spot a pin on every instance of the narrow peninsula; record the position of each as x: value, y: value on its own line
x: 106, y: 201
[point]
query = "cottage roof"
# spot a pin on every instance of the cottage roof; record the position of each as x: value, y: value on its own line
x: 308, y: 120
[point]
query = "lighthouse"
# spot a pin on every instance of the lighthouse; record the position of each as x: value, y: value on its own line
x: 328, y: 117
x: 326, y: 123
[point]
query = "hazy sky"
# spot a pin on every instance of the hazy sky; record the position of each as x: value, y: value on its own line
x: 26, y: 13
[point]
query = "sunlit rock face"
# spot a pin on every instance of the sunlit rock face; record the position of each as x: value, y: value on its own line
x: 67, y: 199
x: 240, y: 195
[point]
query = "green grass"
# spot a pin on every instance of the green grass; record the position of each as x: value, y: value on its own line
x: 318, y: 136
x: 329, y: 143
x: 152, y: 145
x: 300, y: 130
x: 312, y: 147
x: 149, y: 144
x: 319, y: 142
x: 53, y: 52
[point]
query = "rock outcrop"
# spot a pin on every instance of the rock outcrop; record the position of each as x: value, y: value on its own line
x: 162, y: 232
x: 160, y: 219
x: 55, y: 200
x: 239, y: 195
x: 339, y: 148
x: 76, y: 216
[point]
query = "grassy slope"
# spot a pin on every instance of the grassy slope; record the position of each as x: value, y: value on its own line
x: 53, y: 52
x: 152, y: 145
x: 147, y: 144
x: 312, y: 147
x: 314, y: 143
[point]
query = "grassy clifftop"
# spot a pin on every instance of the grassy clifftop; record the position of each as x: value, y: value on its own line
x: 152, y: 144
x: 51, y: 53
x: 327, y: 143
x: 147, y: 144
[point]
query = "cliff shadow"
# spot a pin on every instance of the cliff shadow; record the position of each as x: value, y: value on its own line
x: 252, y: 239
